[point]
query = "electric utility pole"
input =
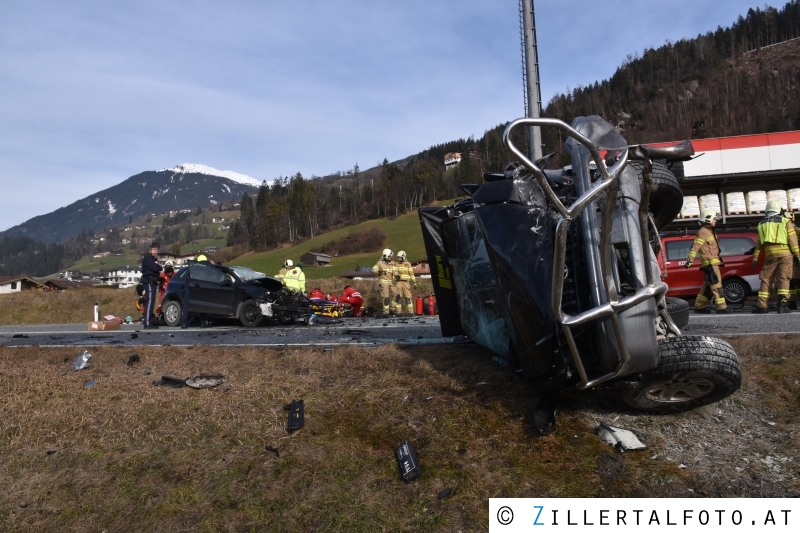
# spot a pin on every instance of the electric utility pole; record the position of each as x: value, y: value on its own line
x: 530, y: 76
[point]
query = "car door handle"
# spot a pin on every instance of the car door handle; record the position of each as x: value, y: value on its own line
x: 195, y: 285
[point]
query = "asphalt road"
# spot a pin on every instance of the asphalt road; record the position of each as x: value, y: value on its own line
x: 352, y: 331
x: 356, y: 331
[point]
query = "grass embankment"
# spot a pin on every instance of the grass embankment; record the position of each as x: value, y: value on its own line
x: 403, y: 233
x: 67, y: 307
x: 124, y: 455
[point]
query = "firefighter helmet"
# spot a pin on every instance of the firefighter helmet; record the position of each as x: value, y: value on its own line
x: 401, y: 255
x: 387, y: 253
x: 288, y: 263
x: 201, y: 257
x: 773, y: 206
x: 707, y: 216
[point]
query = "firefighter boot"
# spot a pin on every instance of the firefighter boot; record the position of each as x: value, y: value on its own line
x: 759, y: 310
x: 783, y: 306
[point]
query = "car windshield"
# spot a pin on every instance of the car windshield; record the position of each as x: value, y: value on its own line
x: 247, y: 274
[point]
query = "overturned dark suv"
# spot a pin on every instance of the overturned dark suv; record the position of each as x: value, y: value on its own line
x: 555, y: 271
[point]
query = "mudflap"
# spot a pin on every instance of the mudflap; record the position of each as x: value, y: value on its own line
x: 441, y: 274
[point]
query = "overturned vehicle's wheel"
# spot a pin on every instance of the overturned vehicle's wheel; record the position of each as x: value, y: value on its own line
x: 666, y: 197
x: 678, y: 310
x: 172, y: 313
x: 694, y: 371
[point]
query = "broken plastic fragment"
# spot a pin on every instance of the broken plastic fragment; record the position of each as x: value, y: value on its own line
x: 296, y: 416
x: 621, y: 439
x: 203, y: 382
x: 410, y: 468
x: 82, y: 361
x: 170, y: 381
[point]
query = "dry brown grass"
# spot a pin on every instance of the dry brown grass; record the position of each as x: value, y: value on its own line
x: 67, y: 307
x: 125, y: 455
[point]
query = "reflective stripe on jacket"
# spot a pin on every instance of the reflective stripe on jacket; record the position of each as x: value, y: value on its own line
x: 385, y: 271
x: 404, y: 272
x: 706, y: 244
x: 776, y: 235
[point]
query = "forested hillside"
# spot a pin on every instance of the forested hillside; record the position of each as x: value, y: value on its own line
x: 731, y: 81
x: 296, y: 208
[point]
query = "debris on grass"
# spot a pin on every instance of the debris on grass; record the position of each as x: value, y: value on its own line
x: 273, y: 450
x: 296, y: 416
x: 445, y: 493
x: 206, y: 381
x: 621, y: 439
x: 171, y: 382
x: 133, y: 359
x: 82, y: 361
x: 410, y: 468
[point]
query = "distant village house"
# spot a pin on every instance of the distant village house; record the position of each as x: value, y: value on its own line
x: 451, y: 159
x: 12, y: 284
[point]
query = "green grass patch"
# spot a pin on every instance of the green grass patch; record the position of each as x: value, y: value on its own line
x: 403, y: 233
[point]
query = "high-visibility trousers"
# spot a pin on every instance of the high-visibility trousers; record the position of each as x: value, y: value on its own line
x: 778, y: 271
x: 388, y: 293
x: 711, y: 290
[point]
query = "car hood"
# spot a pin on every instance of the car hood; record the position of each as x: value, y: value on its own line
x: 266, y: 283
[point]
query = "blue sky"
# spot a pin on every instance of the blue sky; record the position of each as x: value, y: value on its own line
x: 92, y: 92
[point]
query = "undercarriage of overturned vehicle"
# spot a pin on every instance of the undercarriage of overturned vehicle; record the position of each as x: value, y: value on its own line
x: 555, y: 272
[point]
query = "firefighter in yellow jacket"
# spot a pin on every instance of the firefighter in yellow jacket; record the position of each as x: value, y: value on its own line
x: 777, y: 237
x: 403, y: 279
x: 707, y: 245
x: 384, y: 269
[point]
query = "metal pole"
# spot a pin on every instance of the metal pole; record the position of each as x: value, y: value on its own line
x: 533, y: 89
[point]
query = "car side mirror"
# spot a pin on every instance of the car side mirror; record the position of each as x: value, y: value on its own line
x: 227, y: 282
x: 751, y: 251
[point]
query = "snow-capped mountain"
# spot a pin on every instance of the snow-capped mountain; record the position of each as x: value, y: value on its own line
x: 186, y: 186
x: 191, y: 168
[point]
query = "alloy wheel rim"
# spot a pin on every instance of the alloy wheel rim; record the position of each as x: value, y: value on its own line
x: 680, y: 389
x: 734, y: 292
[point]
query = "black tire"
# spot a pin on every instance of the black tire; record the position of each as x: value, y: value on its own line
x: 250, y: 314
x: 678, y: 310
x: 172, y: 313
x: 676, y: 167
x: 736, y: 291
x: 694, y: 371
x: 666, y: 196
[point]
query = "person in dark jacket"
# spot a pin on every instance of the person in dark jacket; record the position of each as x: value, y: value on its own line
x: 150, y: 274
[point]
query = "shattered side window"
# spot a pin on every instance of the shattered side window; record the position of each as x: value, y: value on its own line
x: 480, y: 298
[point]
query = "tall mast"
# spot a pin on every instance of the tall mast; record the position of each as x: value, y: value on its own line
x: 530, y: 76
